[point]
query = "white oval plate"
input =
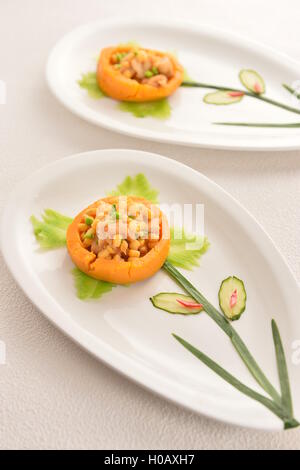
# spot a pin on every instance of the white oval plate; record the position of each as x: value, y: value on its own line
x: 123, y: 329
x: 210, y: 56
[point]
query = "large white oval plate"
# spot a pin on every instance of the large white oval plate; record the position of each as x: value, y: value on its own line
x: 210, y: 56
x: 123, y: 329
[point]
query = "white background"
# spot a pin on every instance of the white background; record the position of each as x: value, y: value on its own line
x: 53, y: 394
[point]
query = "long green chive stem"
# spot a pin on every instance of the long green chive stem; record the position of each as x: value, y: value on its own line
x: 223, y: 323
x: 247, y: 93
x: 291, y: 90
x: 279, y: 410
x: 259, y: 124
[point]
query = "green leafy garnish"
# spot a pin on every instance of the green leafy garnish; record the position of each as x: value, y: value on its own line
x: 282, y: 370
x: 137, y: 185
x: 185, y: 250
x: 89, y: 288
x: 256, y: 87
x: 280, y: 411
x: 223, y: 97
x: 159, y: 109
x: 252, y: 80
x: 50, y: 232
x: 280, y: 405
x: 226, y: 326
x: 89, y: 82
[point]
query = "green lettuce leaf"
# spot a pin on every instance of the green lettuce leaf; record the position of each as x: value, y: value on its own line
x: 89, y: 288
x: 137, y: 185
x: 89, y: 83
x: 159, y: 109
x: 185, y: 251
x: 50, y: 232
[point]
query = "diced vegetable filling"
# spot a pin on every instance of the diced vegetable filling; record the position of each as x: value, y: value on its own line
x: 144, y: 66
x: 123, y: 231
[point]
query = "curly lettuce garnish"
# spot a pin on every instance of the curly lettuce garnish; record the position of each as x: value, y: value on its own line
x: 89, y: 82
x: 50, y: 232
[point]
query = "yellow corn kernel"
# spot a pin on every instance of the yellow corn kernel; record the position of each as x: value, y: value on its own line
x: 103, y: 254
x: 142, y: 56
x: 128, y: 73
x: 94, y: 224
x: 133, y: 253
x: 125, y: 64
x: 124, y: 246
x: 87, y: 242
x: 134, y: 245
x: 110, y: 249
x: 91, y: 211
x: 82, y: 227
x: 117, y: 241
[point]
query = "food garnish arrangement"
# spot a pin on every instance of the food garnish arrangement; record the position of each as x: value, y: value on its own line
x: 141, y: 80
x: 124, y: 238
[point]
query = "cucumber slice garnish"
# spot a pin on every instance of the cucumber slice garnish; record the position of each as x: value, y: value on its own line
x: 232, y: 297
x: 223, y: 97
x: 168, y: 301
x: 252, y: 81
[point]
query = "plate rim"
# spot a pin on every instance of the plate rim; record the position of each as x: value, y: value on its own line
x: 227, y: 143
x: 103, y: 351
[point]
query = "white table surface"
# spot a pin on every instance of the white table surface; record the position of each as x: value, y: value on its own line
x: 52, y: 393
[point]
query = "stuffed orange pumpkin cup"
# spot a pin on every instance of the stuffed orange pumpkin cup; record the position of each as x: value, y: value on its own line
x: 113, y: 257
x: 128, y: 73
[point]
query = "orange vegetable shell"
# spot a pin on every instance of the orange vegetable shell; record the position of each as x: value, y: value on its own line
x: 111, y: 270
x: 119, y: 87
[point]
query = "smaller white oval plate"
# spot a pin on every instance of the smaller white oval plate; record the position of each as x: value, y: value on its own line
x: 210, y: 56
x: 122, y: 328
